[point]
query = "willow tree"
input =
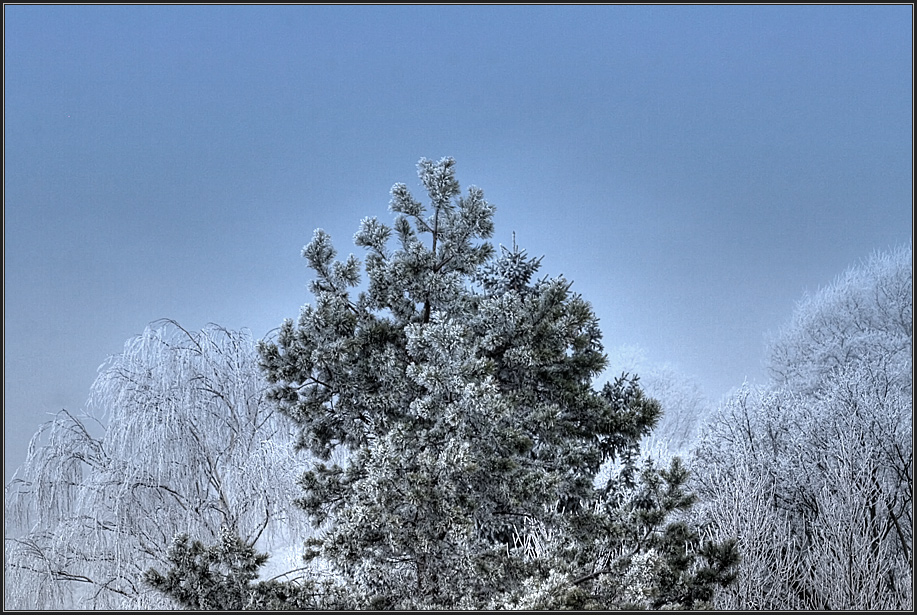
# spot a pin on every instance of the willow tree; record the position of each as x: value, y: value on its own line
x: 450, y: 407
x: 178, y: 438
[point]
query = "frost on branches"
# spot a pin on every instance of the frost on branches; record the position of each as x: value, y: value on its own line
x: 450, y: 407
x: 814, y: 473
x: 189, y: 445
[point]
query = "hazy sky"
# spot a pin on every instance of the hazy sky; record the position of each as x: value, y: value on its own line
x: 693, y: 170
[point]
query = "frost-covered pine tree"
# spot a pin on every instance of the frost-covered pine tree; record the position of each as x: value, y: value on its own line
x: 451, y: 408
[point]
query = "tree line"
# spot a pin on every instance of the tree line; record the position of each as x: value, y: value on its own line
x: 427, y: 435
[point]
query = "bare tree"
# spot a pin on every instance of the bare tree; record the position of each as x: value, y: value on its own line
x: 177, y: 438
x: 814, y: 473
x: 866, y: 314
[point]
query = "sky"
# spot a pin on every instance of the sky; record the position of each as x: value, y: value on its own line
x: 694, y: 170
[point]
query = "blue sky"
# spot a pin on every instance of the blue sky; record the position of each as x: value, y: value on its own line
x: 693, y: 169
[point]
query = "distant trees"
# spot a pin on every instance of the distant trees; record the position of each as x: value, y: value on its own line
x: 814, y: 473
x: 685, y: 405
x: 865, y: 316
x: 190, y: 445
x: 458, y: 436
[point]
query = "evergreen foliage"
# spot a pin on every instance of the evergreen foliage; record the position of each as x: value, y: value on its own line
x: 457, y: 433
x: 222, y: 578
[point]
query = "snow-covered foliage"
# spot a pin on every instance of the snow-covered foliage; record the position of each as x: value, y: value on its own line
x: 178, y: 438
x: 865, y: 316
x: 458, y: 435
x: 814, y: 473
x: 455, y: 439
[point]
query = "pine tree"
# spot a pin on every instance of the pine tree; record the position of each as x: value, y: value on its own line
x: 451, y: 407
x: 222, y: 577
